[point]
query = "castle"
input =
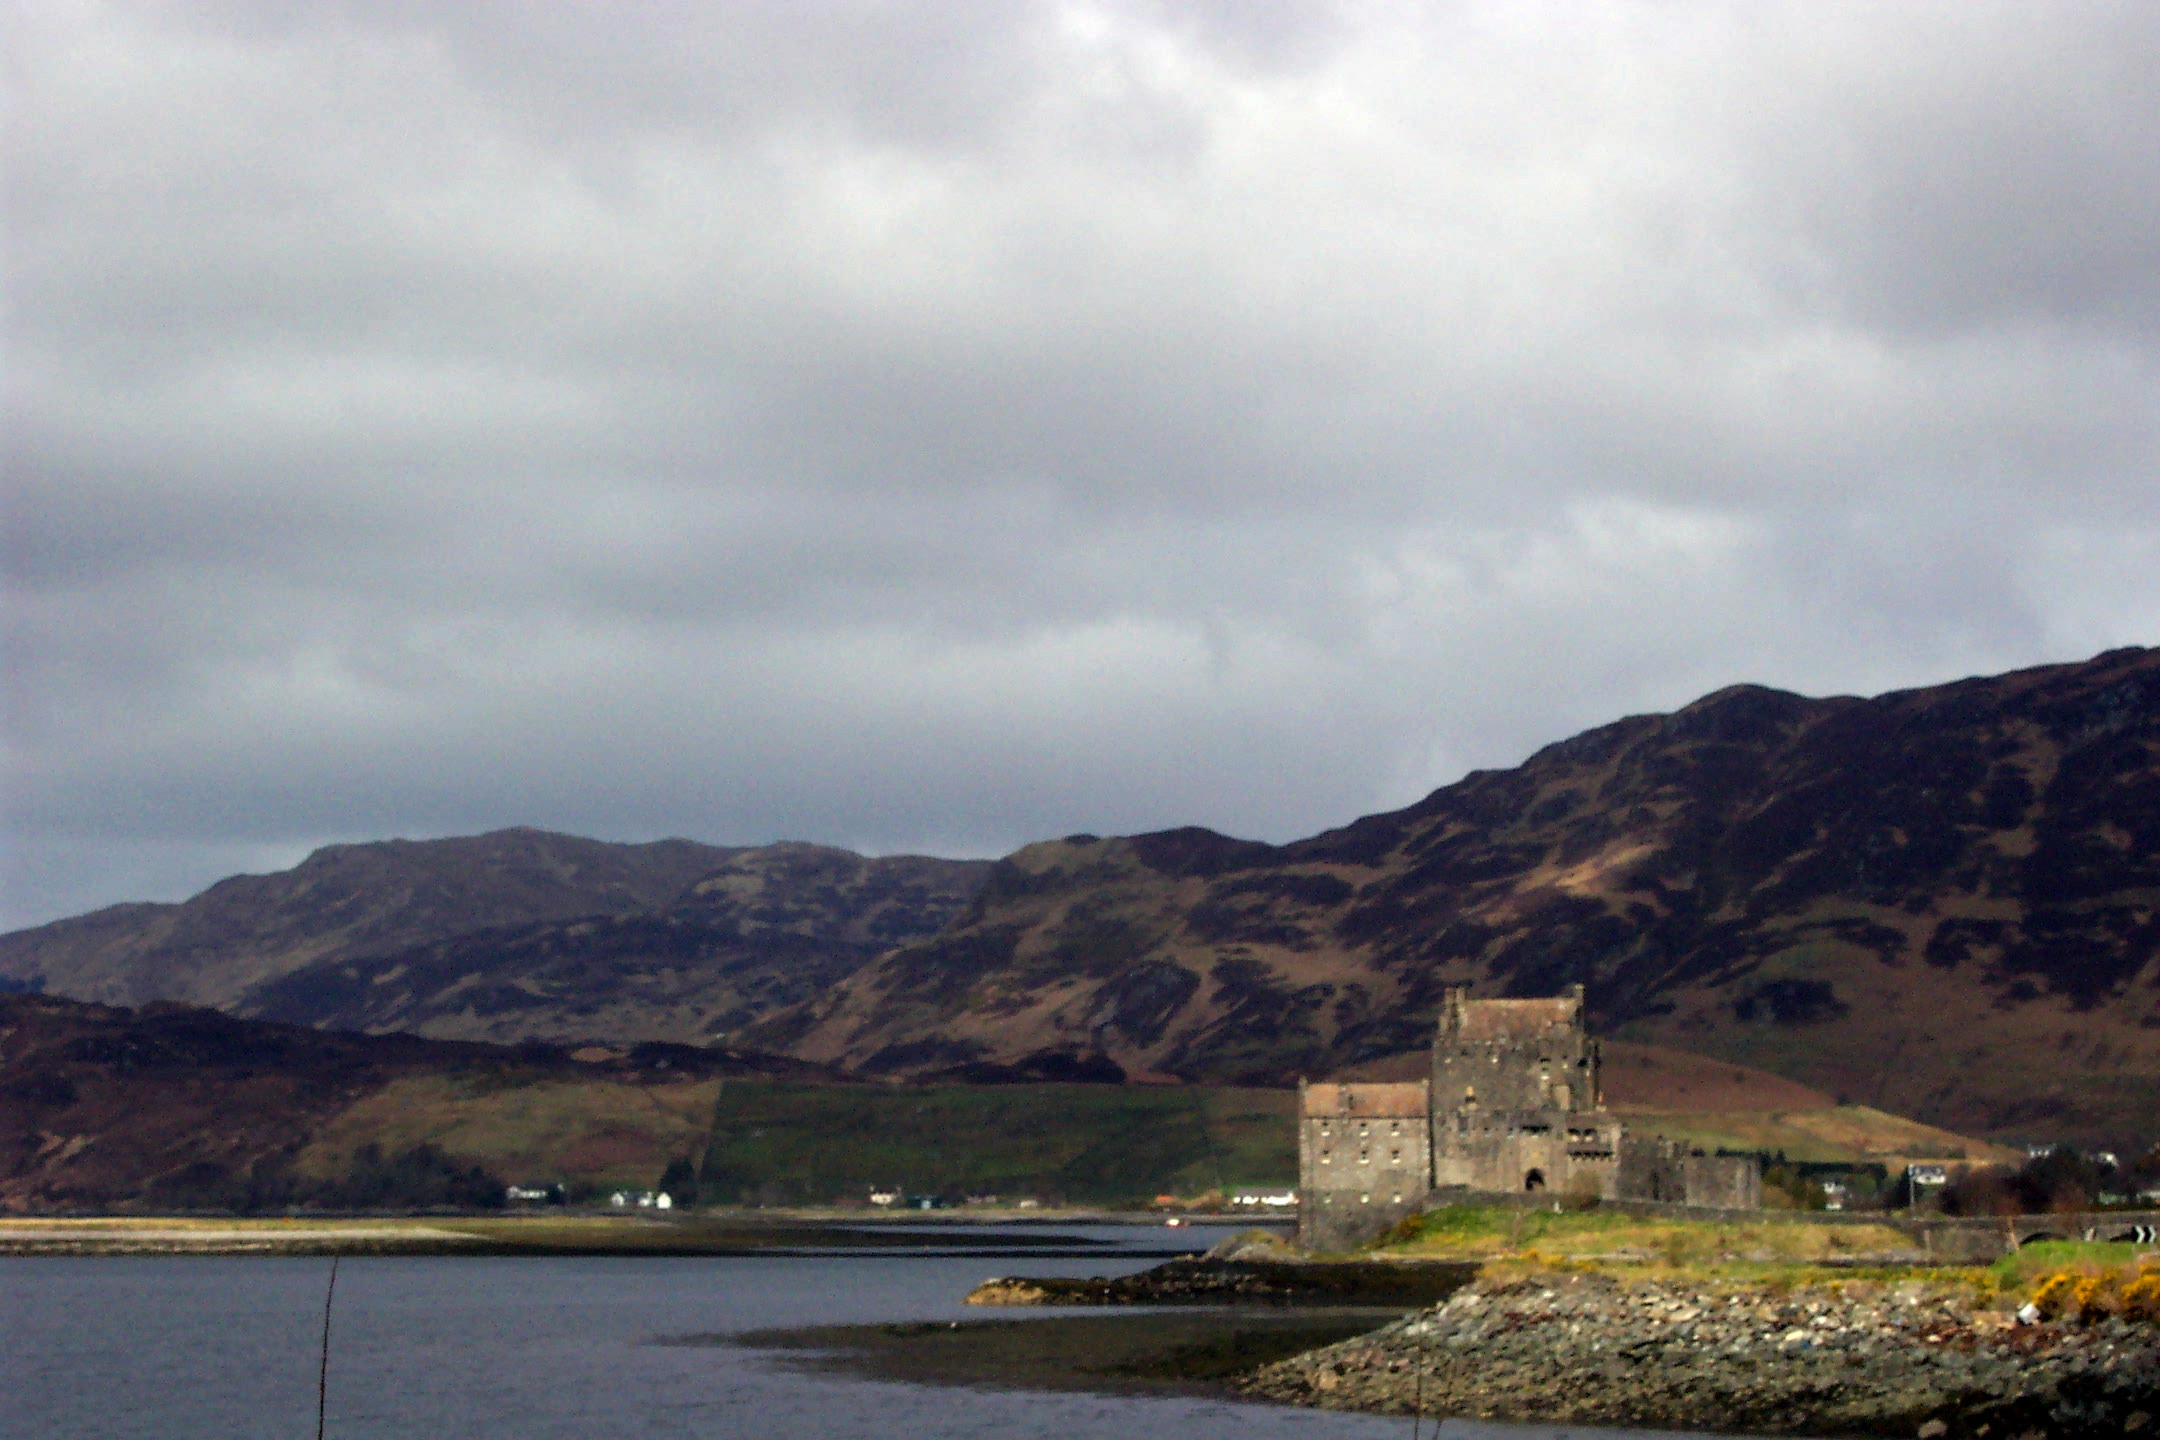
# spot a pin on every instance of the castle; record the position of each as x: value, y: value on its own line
x: 1513, y: 1103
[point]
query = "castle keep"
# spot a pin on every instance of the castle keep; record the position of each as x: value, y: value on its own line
x: 1513, y: 1103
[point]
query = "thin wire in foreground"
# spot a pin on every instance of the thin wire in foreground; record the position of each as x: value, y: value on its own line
x: 1417, y: 1408
x: 322, y: 1376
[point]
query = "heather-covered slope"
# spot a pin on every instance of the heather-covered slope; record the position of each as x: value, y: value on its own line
x: 766, y: 929
x: 1944, y: 902
x: 342, y: 901
x: 509, y: 936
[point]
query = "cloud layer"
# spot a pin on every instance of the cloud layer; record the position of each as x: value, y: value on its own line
x: 943, y: 426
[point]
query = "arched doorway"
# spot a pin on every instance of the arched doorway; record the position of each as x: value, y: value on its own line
x: 1535, y: 1180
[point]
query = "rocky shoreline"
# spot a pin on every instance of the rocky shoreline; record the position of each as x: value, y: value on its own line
x: 1206, y: 1280
x: 1865, y: 1358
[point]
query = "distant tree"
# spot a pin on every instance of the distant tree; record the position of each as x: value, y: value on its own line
x: 2063, y: 1180
x: 2144, y: 1172
x: 680, y: 1180
x: 422, y: 1178
x: 1786, y: 1188
x: 1982, y: 1190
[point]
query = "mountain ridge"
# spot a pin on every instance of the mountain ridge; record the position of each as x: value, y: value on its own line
x: 1944, y: 901
x: 512, y: 935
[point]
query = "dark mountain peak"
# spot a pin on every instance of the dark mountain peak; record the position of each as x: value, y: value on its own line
x: 1595, y: 746
x: 1195, y: 850
x: 1744, y: 715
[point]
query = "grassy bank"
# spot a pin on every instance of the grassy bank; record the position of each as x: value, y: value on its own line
x: 1495, y: 1233
x: 2062, y: 1277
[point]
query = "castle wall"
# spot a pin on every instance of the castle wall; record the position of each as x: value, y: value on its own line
x: 1364, y: 1160
x: 1724, y: 1182
x: 1652, y: 1169
x: 1557, y: 1151
x: 1656, y: 1169
x: 1344, y: 1220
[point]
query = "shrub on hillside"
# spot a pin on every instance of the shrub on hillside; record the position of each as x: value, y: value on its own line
x: 422, y: 1178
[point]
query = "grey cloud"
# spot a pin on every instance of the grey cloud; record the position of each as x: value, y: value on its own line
x: 942, y: 426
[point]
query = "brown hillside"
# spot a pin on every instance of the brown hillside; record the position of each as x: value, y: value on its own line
x: 765, y: 929
x: 516, y: 935
x: 1651, y: 1077
x: 342, y: 901
x: 1942, y: 902
x: 1648, y: 1077
x: 173, y: 1107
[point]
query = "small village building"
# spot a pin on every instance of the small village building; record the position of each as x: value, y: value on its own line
x: 1514, y: 1104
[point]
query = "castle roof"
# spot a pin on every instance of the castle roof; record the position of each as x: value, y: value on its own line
x: 1369, y: 1101
x: 1506, y: 1019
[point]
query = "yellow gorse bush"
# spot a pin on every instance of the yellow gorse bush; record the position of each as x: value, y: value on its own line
x: 2099, y: 1294
x: 2141, y: 1298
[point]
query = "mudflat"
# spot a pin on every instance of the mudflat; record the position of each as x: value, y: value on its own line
x: 1193, y: 1351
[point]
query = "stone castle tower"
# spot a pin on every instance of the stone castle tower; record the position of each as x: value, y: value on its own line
x: 1517, y: 1101
x: 1515, y: 1054
x: 1514, y: 1104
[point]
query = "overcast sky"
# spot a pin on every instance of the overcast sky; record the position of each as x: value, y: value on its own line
x: 941, y: 425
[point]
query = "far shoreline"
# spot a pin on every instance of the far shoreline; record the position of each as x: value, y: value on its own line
x: 683, y: 1233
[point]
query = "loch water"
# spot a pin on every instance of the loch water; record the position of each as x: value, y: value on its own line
x: 226, y: 1348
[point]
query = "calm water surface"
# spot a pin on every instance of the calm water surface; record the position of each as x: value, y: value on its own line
x: 551, y: 1349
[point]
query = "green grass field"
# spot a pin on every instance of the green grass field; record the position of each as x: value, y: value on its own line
x: 781, y: 1144
x: 591, y: 1135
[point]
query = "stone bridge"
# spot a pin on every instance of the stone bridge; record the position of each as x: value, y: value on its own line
x: 1987, y: 1237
